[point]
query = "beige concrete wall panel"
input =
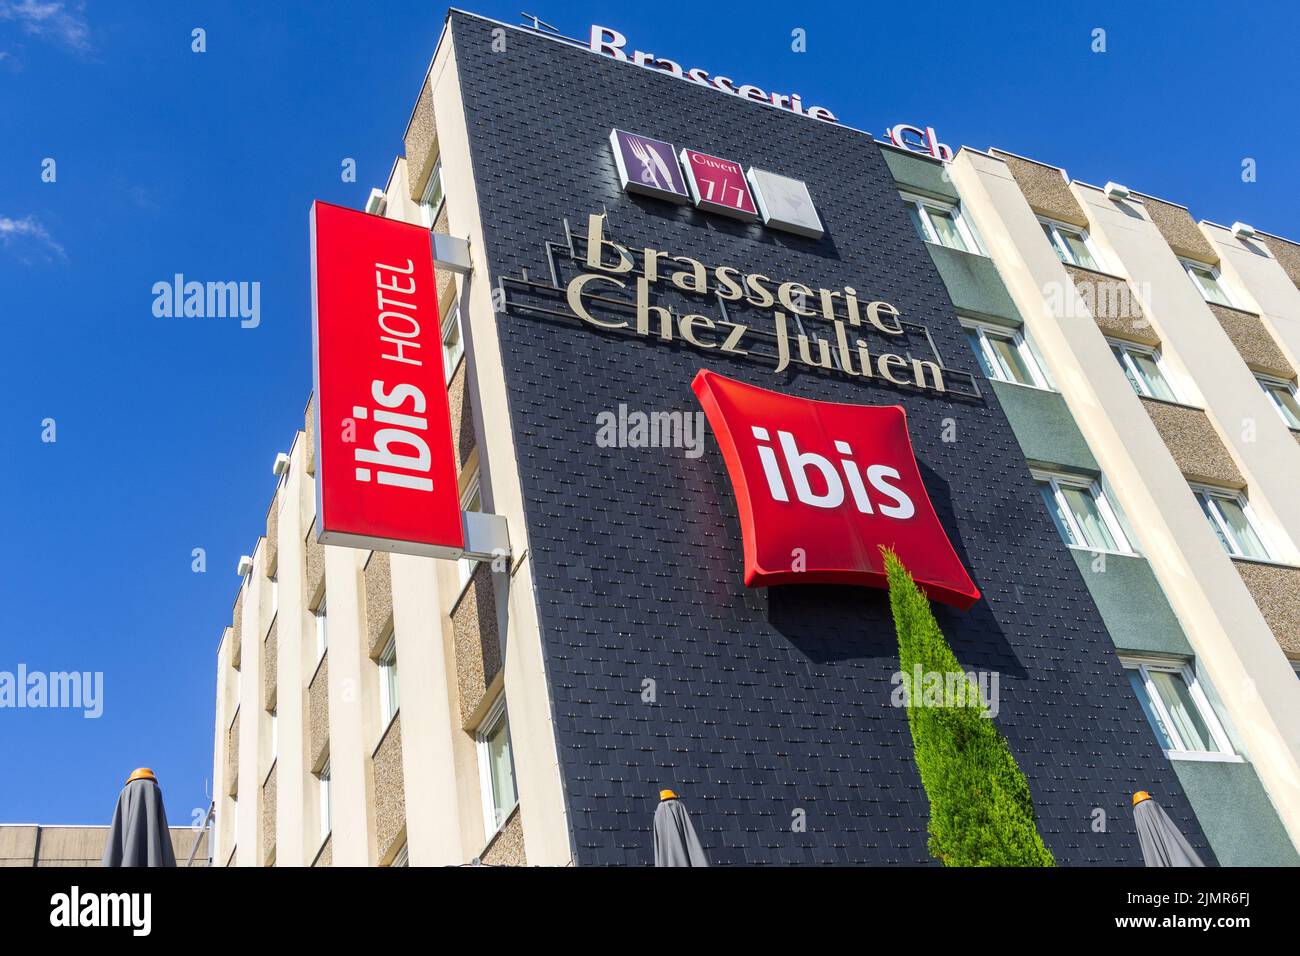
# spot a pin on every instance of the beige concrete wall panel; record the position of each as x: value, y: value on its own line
x: 1287, y: 254
x: 445, y: 279
x: 319, y: 715
x: 72, y: 846
x: 309, y: 427
x: 237, y: 630
x: 390, y: 790
x: 183, y: 844
x: 1276, y: 589
x: 1111, y: 301
x: 272, y: 537
x: 17, y: 845
x: 270, y: 667
x: 1180, y: 230
x: 462, y: 416
x: 1045, y: 188
x: 421, y: 142
x: 1254, y: 342
x: 477, y: 637
x: 268, y: 816
x: 507, y: 846
x: 1195, y: 446
x: 232, y: 757
x: 379, y: 600
x: 315, y: 566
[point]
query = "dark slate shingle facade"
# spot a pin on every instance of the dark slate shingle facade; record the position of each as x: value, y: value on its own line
x: 770, y: 705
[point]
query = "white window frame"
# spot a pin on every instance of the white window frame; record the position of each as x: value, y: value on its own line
x: 324, y: 802
x: 1104, y: 507
x: 1144, y: 665
x: 1210, y: 492
x: 465, y: 567
x: 402, y: 857
x: 1190, y: 265
x: 964, y: 227
x: 428, y: 209
x: 275, y: 733
x: 1126, y: 362
x: 495, y: 713
x: 275, y: 594
x: 1022, y: 346
x: 389, y: 700
x: 320, y: 617
x: 1062, y: 248
x: 453, y: 316
x: 1270, y: 382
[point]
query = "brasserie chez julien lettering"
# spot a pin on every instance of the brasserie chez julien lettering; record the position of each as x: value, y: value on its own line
x: 617, y: 277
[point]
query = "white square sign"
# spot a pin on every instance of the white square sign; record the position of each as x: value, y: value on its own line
x: 784, y: 203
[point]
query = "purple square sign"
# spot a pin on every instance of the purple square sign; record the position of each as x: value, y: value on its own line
x: 648, y: 166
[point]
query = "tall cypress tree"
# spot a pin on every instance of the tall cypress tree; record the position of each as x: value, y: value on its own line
x: 981, y: 811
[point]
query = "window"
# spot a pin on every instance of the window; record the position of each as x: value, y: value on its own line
x: 470, y: 500
x: 322, y: 631
x: 942, y: 224
x: 431, y: 199
x: 1230, y: 515
x: 1082, y: 513
x: 388, y: 700
x: 1005, y: 355
x: 1144, y: 370
x: 403, y: 857
x: 1177, y: 709
x: 275, y: 595
x: 453, y: 346
x: 275, y: 734
x: 323, y: 792
x: 1072, y: 245
x: 1283, y: 396
x: 1207, y: 281
x: 496, y: 767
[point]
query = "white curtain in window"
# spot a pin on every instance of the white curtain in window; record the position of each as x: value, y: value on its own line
x: 1177, y: 698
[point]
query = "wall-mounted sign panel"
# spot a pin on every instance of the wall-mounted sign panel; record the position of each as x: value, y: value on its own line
x: 718, y: 185
x: 648, y: 166
x: 821, y: 486
x: 784, y: 203
x: 385, y: 469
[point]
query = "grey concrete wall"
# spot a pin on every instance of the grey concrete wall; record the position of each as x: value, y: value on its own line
x: 1132, y: 603
x: 1044, y: 428
x: 1236, y: 813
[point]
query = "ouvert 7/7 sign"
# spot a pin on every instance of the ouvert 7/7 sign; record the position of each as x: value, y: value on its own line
x: 386, y: 474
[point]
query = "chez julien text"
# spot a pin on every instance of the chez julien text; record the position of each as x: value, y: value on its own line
x: 609, y: 260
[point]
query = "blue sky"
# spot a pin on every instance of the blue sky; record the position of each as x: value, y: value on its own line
x: 205, y: 164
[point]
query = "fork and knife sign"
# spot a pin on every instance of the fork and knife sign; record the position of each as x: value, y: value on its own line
x: 652, y: 165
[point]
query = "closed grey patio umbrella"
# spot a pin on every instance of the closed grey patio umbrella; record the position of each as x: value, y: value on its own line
x: 1162, y: 842
x: 139, y: 835
x: 675, y: 841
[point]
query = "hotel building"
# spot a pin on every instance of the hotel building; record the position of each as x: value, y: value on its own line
x: 1108, y: 455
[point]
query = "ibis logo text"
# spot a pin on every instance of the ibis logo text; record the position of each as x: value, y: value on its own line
x: 400, y: 451
x: 821, y: 487
x: 807, y: 468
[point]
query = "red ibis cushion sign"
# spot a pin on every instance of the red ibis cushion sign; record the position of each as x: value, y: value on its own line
x: 820, y: 486
x: 385, y: 471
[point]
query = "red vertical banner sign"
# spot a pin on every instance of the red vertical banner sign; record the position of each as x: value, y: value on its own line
x: 385, y: 468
